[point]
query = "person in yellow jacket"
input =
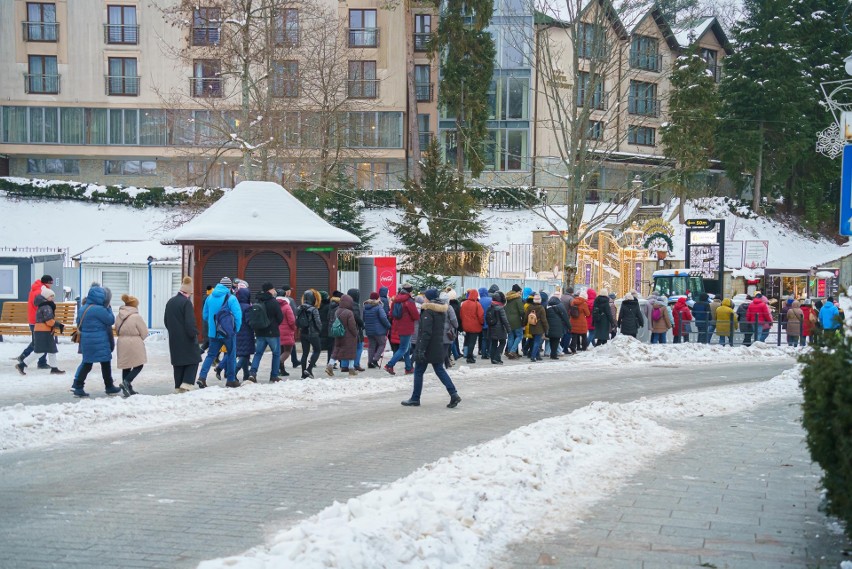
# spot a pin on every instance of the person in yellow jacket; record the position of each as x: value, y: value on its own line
x: 726, y: 322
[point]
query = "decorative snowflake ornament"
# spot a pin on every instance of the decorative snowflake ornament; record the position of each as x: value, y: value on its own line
x: 829, y: 142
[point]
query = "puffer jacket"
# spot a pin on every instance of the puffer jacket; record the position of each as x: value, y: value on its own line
x: 309, y: 304
x: 376, y: 321
x: 344, y: 348
x: 273, y: 312
x: 485, y: 301
x: 472, y: 314
x: 795, y: 316
x: 45, y: 320
x: 742, y: 313
x: 32, y: 307
x: 132, y: 331
x: 500, y: 330
x: 404, y: 326
x: 451, y: 324
x: 214, y: 303
x: 590, y: 301
x: 579, y: 324
x: 514, y: 310
x: 758, y: 312
x: 601, y: 317
x: 558, y: 323
x: 725, y: 315
x: 287, y: 327
x: 541, y: 326
x: 430, y: 346
x: 682, y: 317
x: 356, y: 310
x: 95, y: 324
x: 630, y: 317
x: 664, y: 323
x: 245, y: 336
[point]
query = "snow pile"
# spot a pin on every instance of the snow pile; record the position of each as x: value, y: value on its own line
x: 463, y: 510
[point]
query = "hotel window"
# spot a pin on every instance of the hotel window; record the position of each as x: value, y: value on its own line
x: 43, y: 76
x: 644, y: 53
x: 41, y: 22
x: 52, y: 166
x: 287, y: 27
x: 123, y: 78
x: 362, y: 82
x: 641, y: 135
x: 642, y: 99
x: 285, y: 78
x: 205, y: 26
x: 371, y: 175
x: 206, y: 80
x: 122, y: 27
x: 422, y: 31
x: 362, y: 28
x: 592, y: 41
x: 130, y: 167
x: 423, y: 82
x: 590, y: 91
x: 594, y: 130
x: 508, y: 98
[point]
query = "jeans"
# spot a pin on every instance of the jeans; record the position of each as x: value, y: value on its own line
x: 243, y: 363
x: 259, y: 347
x: 185, y: 374
x: 313, y: 346
x: 658, y: 337
x: 763, y: 334
x: 420, y: 369
x: 402, y: 353
x: 359, y: 349
x: 230, y: 357
x: 730, y: 340
x: 376, y: 348
x: 535, y: 351
x: 565, y: 343
x: 129, y: 375
x: 514, y: 339
x: 484, y: 342
x: 497, y: 350
x: 470, y: 345
x: 793, y: 341
x: 454, y: 348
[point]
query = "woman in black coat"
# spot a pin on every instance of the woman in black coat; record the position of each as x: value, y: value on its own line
x: 602, y: 318
x: 559, y: 324
x: 630, y: 317
x: 430, y: 349
x: 498, y: 326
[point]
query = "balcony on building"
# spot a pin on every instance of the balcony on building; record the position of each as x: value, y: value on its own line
x: 124, y: 86
x: 39, y: 84
x: 425, y: 139
x: 597, y: 102
x: 47, y: 32
x: 646, y: 62
x: 363, y: 88
x: 643, y: 106
x: 363, y: 37
x: 424, y: 92
x: 205, y: 87
x: 121, y: 34
x: 716, y: 70
x: 421, y: 41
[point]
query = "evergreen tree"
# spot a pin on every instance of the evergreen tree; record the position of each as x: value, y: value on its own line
x: 688, y: 137
x: 467, y: 53
x: 764, y: 97
x: 339, y: 205
x: 439, y: 215
x: 673, y: 10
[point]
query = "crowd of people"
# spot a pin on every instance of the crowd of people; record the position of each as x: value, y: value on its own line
x: 433, y: 327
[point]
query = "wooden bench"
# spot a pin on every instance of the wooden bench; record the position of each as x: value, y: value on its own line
x: 14, y: 319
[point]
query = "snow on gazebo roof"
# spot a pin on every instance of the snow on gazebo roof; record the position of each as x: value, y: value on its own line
x: 130, y: 252
x: 261, y: 211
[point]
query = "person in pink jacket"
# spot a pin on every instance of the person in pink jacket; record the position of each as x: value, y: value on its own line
x: 758, y: 313
x: 286, y: 331
x: 591, y: 295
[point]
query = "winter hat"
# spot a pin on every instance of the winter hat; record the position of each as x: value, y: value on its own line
x: 452, y: 294
x: 759, y: 295
x: 374, y: 296
x: 323, y: 294
x: 502, y: 297
x: 267, y: 286
x: 226, y: 281
x: 527, y: 292
x: 130, y: 300
x: 516, y: 288
x: 584, y: 295
x: 47, y: 293
x: 603, y: 292
x: 419, y: 299
x: 444, y: 296
x: 493, y: 288
x: 186, y: 285
x: 285, y: 287
x: 612, y: 295
x: 431, y: 293
x: 241, y: 283
x: 570, y: 290
x: 46, y: 279
x: 629, y: 296
x: 336, y: 294
x: 537, y: 298
x: 408, y: 287
x: 789, y: 301
x: 807, y: 302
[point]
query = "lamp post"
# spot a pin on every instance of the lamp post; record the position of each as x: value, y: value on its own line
x: 150, y: 290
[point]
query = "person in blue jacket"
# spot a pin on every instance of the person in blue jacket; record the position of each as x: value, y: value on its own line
x: 214, y: 302
x: 97, y: 342
x: 376, y: 327
x: 829, y: 317
x: 484, y: 336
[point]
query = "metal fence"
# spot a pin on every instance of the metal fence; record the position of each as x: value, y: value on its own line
x: 349, y: 279
x: 737, y: 333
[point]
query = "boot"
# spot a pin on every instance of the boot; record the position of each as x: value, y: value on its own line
x: 329, y: 370
x: 56, y: 371
x: 185, y: 387
x: 471, y: 360
x: 275, y: 379
x: 126, y: 389
x: 78, y: 392
x: 252, y: 378
x: 20, y: 367
x: 411, y: 403
x: 455, y: 399
x: 232, y: 383
x: 353, y: 372
x: 201, y: 383
x: 359, y: 368
x: 390, y: 370
x: 112, y: 389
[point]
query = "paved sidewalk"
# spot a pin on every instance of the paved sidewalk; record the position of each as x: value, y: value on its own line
x: 742, y: 494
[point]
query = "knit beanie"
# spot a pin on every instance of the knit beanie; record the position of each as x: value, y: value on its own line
x: 612, y: 295
x: 628, y: 296
x: 408, y: 287
x: 374, y: 296
x: 130, y: 300
x: 516, y: 288
x: 336, y: 294
x: 226, y: 281
x: 537, y: 298
x: 452, y: 294
x: 46, y: 279
x: 493, y: 288
x: 431, y: 293
x: 186, y: 285
x: 267, y: 286
x: 47, y: 293
x: 584, y: 295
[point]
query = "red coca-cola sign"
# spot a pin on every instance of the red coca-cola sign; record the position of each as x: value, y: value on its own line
x: 386, y: 273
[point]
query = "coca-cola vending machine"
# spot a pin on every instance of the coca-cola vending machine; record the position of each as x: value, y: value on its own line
x: 376, y: 272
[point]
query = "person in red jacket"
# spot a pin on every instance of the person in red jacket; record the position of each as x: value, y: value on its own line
x: 591, y: 295
x: 682, y: 321
x: 35, y: 290
x: 472, y: 320
x: 807, y: 310
x: 403, y: 316
x: 758, y: 314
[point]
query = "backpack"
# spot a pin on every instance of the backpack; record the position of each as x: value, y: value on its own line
x: 226, y: 326
x: 396, y: 313
x: 657, y: 314
x: 257, y: 317
x: 574, y: 311
x: 532, y: 318
x: 303, y: 318
x: 491, y: 316
x: 337, y: 330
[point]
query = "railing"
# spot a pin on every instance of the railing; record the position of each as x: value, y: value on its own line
x: 287, y: 38
x: 598, y: 100
x: 421, y: 41
x: 716, y: 70
x: 363, y: 88
x: 643, y: 106
x: 363, y: 37
x: 205, y: 86
x: 205, y: 35
x: 647, y: 62
x: 127, y: 86
x: 121, y: 34
x: 41, y: 84
x: 425, y: 139
x: 41, y: 31
x: 592, y: 50
x: 423, y: 92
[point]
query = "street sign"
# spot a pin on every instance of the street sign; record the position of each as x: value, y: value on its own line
x: 699, y: 223
x: 846, y: 192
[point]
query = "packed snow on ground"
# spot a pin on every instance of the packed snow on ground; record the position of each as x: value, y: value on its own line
x: 26, y: 423
x: 463, y: 510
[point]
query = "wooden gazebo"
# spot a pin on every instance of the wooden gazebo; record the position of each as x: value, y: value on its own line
x: 259, y: 232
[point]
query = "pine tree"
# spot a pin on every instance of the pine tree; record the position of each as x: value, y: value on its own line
x: 467, y: 53
x: 764, y: 96
x: 339, y: 205
x: 688, y: 137
x: 439, y: 215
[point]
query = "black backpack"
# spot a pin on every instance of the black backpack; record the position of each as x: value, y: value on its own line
x: 491, y: 317
x: 257, y: 318
x: 303, y: 318
x: 396, y: 312
x: 574, y: 311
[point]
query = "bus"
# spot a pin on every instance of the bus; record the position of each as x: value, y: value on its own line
x: 675, y: 283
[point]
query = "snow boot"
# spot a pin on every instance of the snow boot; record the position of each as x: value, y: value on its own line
x: 455, y: 399
x: 112, y: 390
x: 78, y: 392
x: 232, y: 384
x: 411, y: 403
x: 201, y: 383
x: 353, y: 372
x: 329, y: 370
x: 20, y: 367
x: 126, y: 389
x: 56, y: 371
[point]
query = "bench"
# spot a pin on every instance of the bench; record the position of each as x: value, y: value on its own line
x: 13, y: 319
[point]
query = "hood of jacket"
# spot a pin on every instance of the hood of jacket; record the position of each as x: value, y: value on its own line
x: 355, y: 294
x: 125, y: 311
x: 369, y: 303
x: 401, y: 297
x: 473, y: 294
x: 630, y: 302
x: 346, y: 301
x: 544, y: 298
x: 39, y: 300
x: 220, y: 290
x: 309, y: 298
x: 681, y: 302
x: 36, y: 287
x: 591, y: 294
x: 795, y: 304
x: 512, y: 295
x: 96, y: 296
x: 493, y: 288
x: 383, y: 292
x: 703, y: 297
x: 264, y: 296
x: 553, y: 301
x: 243, y: 295
x: 728, y: 302
x: 435, y: 306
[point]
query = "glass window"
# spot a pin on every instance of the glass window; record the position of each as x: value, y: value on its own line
x: 52, y: 166
x: 14, y: 124
x: 41, y: 22
x: 72, y: 125
x: 9, y: 282
x: 362, y: 28
x: 362, y: 80
x: 517, y: 95
x: 97, y: 126
x: 641, y: 135
x: 205, y: 26
x: 512, y: 49
x: 371, y: 175
x: 130, y: 167
x: 206, y: 78
x: 642, y: 99
x: 587, y: 86
x: 152, y: 127
x: 122, y: 26
x: 285, y: 78
x: 43, y: 76
x: 644, y: 53
x: 123, y: 76
x: 423, y: 82
x: 592, y: 41
x: 422, y: 31
x: 287, y: 27
x: 594, y: 130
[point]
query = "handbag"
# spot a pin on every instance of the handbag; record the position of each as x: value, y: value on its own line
x: 77, y: 334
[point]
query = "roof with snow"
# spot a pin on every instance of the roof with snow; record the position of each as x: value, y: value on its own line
x: 693, y: 31
x: 261, y: 211
x: 130, y: 252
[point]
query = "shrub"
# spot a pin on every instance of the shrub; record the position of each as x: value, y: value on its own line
x: 827, y: 418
